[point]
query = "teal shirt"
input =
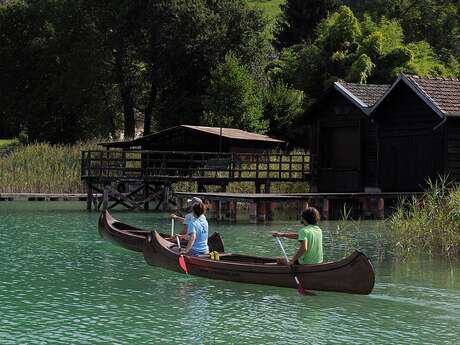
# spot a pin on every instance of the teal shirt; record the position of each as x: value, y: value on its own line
x: 314, y: 237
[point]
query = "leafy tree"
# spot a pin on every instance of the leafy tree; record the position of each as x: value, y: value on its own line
x: 299, y: 19
x: 232, y: 98
x: 282, y: 108
x: 50, y: 81
x: 185, y: 41
x: 356, y: 51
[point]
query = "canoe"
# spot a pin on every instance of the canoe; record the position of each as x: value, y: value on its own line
x: 353, y: 274
x: 133, y: 238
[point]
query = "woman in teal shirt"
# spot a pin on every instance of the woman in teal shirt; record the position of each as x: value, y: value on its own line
x: 310, y: 237
x: 197, y: 232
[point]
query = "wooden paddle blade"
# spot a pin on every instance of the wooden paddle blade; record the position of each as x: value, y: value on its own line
x: 301, y: 289
x: 182, y: 264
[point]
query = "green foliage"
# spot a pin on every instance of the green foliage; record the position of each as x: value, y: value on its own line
x: 233, y: 99
x: 283, y: 107
x: 299, y: 19
x: 362, y: 51
x: 429, y: 224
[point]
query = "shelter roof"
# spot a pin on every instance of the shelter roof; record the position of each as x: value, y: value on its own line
x: 442, y: 95
x: 229, y: 133
x: 363, y: 95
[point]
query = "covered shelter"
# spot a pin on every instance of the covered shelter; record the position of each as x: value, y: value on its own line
x: 202, y: 139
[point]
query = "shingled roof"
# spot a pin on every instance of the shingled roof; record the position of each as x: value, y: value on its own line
x: 444, y: 93
x: 440, y: 94
x: 363, y: 96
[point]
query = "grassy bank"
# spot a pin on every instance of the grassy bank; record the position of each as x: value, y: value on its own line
x: 42, y: 168
x: 430, y: 224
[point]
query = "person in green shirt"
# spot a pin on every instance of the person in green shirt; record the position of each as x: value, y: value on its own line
x: 310, y: 237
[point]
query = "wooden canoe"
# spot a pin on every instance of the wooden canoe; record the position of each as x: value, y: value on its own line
x: 353, y: 274
x: 133, y: 238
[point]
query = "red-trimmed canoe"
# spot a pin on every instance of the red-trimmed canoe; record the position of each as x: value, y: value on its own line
x: 353, y: 274
x: 133, y: 238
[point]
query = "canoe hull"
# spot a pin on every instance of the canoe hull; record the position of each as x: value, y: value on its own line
x: 133, y: 238
x: 353, y: 274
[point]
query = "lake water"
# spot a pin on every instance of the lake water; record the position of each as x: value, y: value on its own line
x: 61, y: 284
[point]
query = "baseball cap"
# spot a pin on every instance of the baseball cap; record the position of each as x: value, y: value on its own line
x: 194, y: 201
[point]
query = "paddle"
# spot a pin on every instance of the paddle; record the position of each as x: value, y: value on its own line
x: 300, y: 288
x: 182, y: 263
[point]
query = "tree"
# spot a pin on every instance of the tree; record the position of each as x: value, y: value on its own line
x: 185, y: 41
x: 299, y: 19
x: 282, y: 108
x: 356, y: 51
x: 232, y: 99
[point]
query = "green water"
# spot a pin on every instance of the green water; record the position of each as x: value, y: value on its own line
x: 61, y: 284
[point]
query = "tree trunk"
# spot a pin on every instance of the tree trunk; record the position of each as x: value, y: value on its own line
x: 149, y: 108
x: 125, y: 89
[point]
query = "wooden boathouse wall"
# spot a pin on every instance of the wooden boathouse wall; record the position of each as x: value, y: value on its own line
x: 344, y: 139
x: 410, y: 149
x: 418, y: 133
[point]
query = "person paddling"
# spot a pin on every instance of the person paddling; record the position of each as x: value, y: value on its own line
x: 310, y: 237
x: 197, y: 232
x: 189, y: 216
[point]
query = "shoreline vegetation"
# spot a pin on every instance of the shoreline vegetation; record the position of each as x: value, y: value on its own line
x: 430, y: 224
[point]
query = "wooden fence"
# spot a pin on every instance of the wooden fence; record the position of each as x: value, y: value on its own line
x: 173, y: 165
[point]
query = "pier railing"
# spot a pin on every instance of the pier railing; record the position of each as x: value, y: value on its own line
x: 150, y: 165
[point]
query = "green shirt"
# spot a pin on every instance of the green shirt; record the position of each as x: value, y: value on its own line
x: 314, y: 237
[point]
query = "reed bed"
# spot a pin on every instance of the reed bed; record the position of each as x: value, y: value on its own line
x: 429, y: 224
x: 42, y: 168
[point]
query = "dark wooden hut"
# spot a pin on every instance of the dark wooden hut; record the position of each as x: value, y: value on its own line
x: 343, y: 145
x: 202, y: 139
x: 418, y: 132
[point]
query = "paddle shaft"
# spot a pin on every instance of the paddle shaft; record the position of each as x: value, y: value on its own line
x: 287, y: 262
x: 172, y: 227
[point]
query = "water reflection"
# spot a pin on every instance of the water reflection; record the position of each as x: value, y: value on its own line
x: 60, y: 283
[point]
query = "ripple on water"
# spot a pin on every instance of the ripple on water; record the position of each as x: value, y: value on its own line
x: 61, y: 284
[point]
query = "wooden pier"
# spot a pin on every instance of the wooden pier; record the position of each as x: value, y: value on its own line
x: 223, y: 206
x: 139, y: 178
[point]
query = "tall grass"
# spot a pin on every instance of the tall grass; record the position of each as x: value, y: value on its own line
x: 42, y: 168
x: 429, y: 224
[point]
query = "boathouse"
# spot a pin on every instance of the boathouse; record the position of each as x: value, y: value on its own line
x: 390, y: 138
x: 418, y: 121
x: 343, y: 147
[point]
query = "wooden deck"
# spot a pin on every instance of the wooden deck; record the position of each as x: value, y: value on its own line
x: 173, y: 166
x: 135, y: 178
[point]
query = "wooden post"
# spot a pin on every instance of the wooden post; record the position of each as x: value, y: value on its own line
x: 232, y: 206
x: 380, y: 208
x: 166, y: 194
x: 89, y: 195
x: 105, y: 198
x: 253, y: 212
x: 270, y: 210
x: 325, y: 209
x: 146, y: 195
x: 261, y: 211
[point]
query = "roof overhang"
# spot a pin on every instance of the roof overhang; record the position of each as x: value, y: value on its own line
x: 420, y: 93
